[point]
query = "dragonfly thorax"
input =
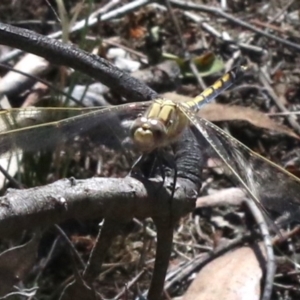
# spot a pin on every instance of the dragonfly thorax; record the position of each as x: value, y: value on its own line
x: 161, y: 124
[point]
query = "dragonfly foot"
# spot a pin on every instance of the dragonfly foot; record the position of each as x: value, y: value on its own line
x: 72, y: 181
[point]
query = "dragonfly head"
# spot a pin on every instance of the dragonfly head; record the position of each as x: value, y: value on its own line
x: 148, y: 134
x: 161, y: 125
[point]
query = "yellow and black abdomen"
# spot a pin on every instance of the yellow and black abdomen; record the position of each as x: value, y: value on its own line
x: 217, y: 88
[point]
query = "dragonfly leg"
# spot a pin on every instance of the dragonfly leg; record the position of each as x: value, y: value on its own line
x: 167, y: 159
x: 135, y: 167
x: 153, y: 164
x: 144, y: 166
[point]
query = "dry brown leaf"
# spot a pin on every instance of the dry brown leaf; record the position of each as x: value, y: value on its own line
x: 219, y: 112
x: 234, y: 276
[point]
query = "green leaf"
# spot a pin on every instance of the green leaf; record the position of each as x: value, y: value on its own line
x: 207, y: 64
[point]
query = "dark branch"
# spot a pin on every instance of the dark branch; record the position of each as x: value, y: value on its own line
x: 69, y: 55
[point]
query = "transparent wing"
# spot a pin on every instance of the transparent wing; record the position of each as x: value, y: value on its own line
x: 17, y: 118
x: 269, y: 185
x: 82, y: 129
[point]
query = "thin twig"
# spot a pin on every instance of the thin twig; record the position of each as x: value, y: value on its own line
x: 214, y: 32
x: 187, y: 54
x: 291, y: 118
x: 130, y: 284
x: 199, y: 261
x: 70, y: 244
x: 282, y: 11
x: 69, y: 55
x: 270, y: 265
x: 92, y: 20
x: 220, y: 13
x: 45, y: 82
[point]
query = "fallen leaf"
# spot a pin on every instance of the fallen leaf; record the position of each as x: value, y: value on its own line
x: 207, y: 64
x: 233, y: 276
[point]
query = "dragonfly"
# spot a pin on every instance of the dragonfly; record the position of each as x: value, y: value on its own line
x: 147, y: 126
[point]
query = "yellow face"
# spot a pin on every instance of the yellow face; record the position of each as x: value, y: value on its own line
x: 162, y: 123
